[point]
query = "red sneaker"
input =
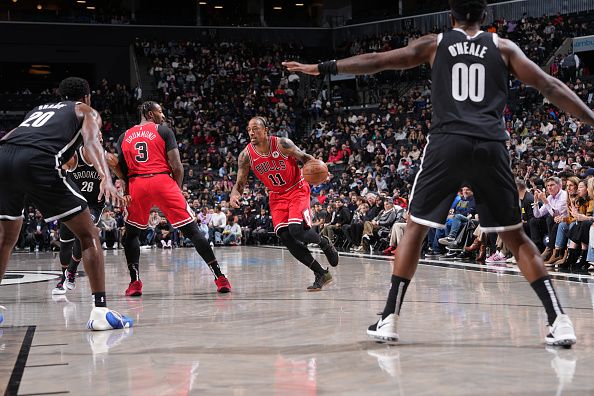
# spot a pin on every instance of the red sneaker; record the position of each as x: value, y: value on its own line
x: 134, y: 289
x: 223, y: 285
x: 388, y: 250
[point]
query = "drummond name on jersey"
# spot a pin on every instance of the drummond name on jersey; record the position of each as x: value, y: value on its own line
x: 141, y: 134
x: 466, y: 48
x: 270, y: 166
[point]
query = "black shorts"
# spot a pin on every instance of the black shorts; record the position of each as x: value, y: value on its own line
x: 28, y: 172
x: 67, y: 236
x: 451, y: 160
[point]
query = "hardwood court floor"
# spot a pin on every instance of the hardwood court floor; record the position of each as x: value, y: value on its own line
x: 464, y: 331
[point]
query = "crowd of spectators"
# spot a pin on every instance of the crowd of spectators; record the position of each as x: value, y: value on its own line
x: 210, y: 90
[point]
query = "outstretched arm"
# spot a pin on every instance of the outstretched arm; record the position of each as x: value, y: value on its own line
x: 243, y: 164
x: 552, y: 88
x: 417, y: 52
x: 289, y: 149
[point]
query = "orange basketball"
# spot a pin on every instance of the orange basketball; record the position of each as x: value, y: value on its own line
x: 315, y: 172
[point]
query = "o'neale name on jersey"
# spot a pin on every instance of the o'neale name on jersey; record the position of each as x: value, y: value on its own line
x: 141, y: 134
x: 270, y: 166
x: 86, y: 175
x: 467, y: 48
x: 52, y: 106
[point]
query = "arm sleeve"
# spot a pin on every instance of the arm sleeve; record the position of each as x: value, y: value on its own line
x: 168, y: 137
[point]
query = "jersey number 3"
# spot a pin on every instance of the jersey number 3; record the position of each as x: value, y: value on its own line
x: 468, y: 82
x: 142, y: 150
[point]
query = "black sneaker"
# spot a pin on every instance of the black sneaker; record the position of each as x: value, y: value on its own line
x: 464, y: 255
x: 320, y: 281
x: 450, y: 255
x: 330, y: 252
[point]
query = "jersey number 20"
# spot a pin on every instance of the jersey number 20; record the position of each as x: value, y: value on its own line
x: 468, y: 82
x: 40, y: 118
x: 142, y: 150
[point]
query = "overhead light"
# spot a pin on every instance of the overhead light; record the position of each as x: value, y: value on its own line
x: 81, y: 1
x: 90, y: 7
x: 14, y: 1
x: 277, y: 8
x: 218, y: 7
x: 39, y: 6
x: 299, y: 4
x: 202, y: 2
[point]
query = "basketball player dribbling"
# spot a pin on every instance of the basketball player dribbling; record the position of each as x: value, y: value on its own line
x: 31, y: 159
x: 466, y: 143
x: 274, y: 162
x: 151, y: 168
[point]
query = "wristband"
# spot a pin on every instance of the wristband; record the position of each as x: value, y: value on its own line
x: 328, y: 67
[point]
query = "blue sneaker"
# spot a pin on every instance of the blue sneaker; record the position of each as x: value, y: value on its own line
x: 1, y: 316
x: 103, y: 318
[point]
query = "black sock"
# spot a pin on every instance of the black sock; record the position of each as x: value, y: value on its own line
x: 395, y: 296
x: 63, y: 279
x: 316, y: 267
x: 214, y: 266
x: 100, y: 300
x: 548, y: 296
x: 73, y: 266
x: 134, y: 272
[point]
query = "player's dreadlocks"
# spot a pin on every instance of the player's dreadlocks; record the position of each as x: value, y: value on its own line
x: 468, y: 10
x: 74, y: 88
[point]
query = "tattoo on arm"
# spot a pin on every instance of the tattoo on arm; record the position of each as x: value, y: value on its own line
x: 289, y: 148
x: 243, y: 165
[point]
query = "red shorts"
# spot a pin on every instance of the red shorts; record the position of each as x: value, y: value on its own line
x: 291, y: 207
x: 158, y: 190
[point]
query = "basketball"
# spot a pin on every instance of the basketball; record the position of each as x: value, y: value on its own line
x: 315, y: 172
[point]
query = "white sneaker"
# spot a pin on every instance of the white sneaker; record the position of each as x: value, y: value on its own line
x: 103, y: 318
x: 59, y: 289
x: 104, y: 245
x: 2, y: 316
x: 511, y: 260
x: 163, y: 244
x: 69, y: 283
x: 385, y: 329
x: 561, y: 332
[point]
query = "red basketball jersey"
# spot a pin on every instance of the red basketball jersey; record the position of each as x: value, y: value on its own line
x: 278, y: 172
x: 145, y: 149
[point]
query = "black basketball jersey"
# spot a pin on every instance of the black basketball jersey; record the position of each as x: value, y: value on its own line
x: 87, y: 179
x: 52, y: 128
x: 469, y: 86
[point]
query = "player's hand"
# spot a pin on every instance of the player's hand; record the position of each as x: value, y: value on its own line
x: 301, y: 67
x: 234, y: 201
x: 108, y: 191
